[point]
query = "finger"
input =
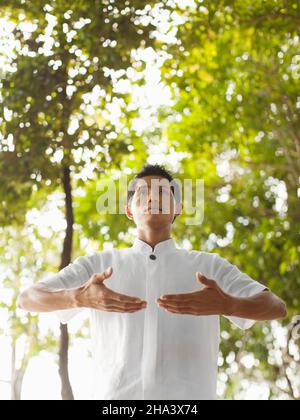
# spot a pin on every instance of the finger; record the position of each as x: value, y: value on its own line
x: 174, y: 303
x: 113, y: 308
x: 199, y: 311
x: 178, y: 305
x: 120, y: 297
x: 99, y: 278
x: 205, y: 281
x: 123, y: 305
x: 190, y: 312
x: 183, y: 311
x: 185, y: 297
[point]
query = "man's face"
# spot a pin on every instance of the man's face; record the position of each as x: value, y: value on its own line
x: 153, y: 202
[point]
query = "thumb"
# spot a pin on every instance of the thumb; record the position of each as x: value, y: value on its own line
x: 99, y: 278
x: 210, y: 284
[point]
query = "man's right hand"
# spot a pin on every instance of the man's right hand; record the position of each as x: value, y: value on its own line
x: 94, y: 294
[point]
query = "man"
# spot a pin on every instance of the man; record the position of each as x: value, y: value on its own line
x: 155, y: 308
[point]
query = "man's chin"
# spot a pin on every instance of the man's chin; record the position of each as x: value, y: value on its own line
x: 155, y: 219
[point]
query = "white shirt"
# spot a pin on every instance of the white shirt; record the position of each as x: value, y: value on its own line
x: 152, y: 353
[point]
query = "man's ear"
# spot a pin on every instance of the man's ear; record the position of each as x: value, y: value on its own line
x: 178, y: 209
x: 128, y: 212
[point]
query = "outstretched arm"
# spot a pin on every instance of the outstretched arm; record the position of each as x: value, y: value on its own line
x: 212, y: 300
x: 93, y: 294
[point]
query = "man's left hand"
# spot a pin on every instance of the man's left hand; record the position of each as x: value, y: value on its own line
x: 211, y: 300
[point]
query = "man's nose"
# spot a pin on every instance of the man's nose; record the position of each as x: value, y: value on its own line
x: 153, y: 195
x: 153, y: 199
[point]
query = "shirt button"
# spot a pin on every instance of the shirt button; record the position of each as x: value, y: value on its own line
x: 153, y: 257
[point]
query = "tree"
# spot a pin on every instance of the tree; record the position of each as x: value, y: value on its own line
x: 55, y: 101
x: 21, y: 262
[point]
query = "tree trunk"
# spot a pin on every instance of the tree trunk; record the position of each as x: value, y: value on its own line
x: 66, y: 389
x: 17, y: 381
x: 17, y: 376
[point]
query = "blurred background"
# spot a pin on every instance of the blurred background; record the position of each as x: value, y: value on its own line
x: 90, y: 91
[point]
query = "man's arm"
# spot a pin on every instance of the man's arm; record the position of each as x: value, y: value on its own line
x: 93, y: 294
x: 37, y: 298
x: 212, y: 300
x: 264, y: 306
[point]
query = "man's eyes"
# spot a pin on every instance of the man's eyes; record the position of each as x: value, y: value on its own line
x: 144, y: 191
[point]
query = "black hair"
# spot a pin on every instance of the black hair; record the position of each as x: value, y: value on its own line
x: 149, y: 170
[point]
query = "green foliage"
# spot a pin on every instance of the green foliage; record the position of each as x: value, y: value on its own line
x: 54, y: 100
x: 59, y: 109
x: 24, y: 259
x: 235, y: 76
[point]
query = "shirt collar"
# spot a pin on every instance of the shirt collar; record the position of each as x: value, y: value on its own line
x: 161, y: 248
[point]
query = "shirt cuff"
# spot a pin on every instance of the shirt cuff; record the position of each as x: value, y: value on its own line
x: 244, y: 323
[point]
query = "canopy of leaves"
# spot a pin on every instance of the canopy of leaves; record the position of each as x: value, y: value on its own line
x: 58, y: 103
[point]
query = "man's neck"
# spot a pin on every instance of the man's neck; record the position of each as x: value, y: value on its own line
x: 153, y: 238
